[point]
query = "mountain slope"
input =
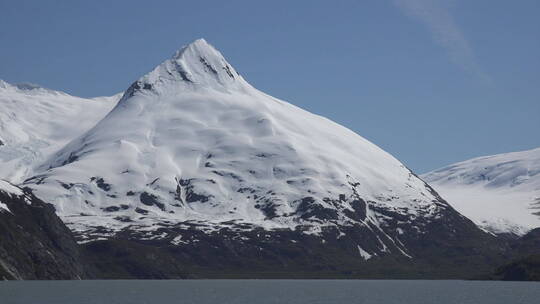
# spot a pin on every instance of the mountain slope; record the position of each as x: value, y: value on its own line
x: 34, y: 243
x: 36, y: 122
x: 525, y: 262
x: 501, y: 193
x: 195, y: 160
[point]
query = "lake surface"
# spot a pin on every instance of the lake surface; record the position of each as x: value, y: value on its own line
x: 268, y: 291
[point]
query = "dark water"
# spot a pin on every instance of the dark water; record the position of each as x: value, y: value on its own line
x: 268, y: 291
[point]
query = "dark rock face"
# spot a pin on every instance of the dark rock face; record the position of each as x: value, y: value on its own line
x: 455, y: 248
x: 100, y: 182
x: 524, y: 269
x: 447, y: 246
x: 525, y: 261
x: 35, y: 244
x: 528, y: 244
x: 151, y: 200
x: 121, y: 259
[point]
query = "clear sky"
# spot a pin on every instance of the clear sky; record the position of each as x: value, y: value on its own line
x: 430, y: 81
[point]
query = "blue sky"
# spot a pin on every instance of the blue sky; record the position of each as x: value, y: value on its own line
x: 430, y: 81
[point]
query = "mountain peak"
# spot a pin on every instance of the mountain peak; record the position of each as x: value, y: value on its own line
x: 200, y: 59
x: 28, y: 88
x: 199, y: 46
x: 196, y: 65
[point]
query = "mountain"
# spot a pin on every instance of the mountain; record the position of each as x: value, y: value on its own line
x: 195, y: 173
x: 500, y: 193
x: 524, y: 269
x: 36, y: 122
x: 524, y: 264
x: 34, y: 243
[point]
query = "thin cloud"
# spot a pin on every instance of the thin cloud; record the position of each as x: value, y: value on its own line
x: 444, y: 30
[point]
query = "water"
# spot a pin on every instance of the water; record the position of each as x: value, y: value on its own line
x: 268, y: 291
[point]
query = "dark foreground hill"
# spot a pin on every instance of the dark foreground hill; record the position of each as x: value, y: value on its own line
x: 34, y: 243
x: 525, y: 264
x: 524, y: 269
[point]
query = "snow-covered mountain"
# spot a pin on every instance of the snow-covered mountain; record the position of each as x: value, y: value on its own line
x: 500, y: 193
x: 194, y: 159
x: 195, y: 173
x: 36, y: 122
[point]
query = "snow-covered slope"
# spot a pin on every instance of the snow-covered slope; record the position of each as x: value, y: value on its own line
x: 36, y: 122
x: 501, y: 193
x: 193, y: 142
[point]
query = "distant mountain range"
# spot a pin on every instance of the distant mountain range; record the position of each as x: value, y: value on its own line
x: 194, y: 173
x: 36, y: 122
x: 500, y: 193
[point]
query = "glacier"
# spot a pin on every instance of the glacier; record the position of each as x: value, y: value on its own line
x: 500, y: 193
